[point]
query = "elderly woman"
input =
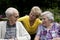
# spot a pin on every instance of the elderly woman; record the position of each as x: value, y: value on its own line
x: 12, y: 29
x: 32, y: 21
x: 48, y: 30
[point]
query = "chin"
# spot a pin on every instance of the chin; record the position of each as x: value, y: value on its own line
x: 15, y: 21
x: 31, y: 19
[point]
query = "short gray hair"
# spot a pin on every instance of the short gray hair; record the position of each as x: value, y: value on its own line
x: 10, y: 11
x: 48, y: 14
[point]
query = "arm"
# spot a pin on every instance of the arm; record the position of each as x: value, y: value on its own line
x: 37, y: 37
x: 23, y: 34
x: 58, y: 36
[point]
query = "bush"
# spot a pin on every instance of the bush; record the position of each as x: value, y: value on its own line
x: 56, y: 12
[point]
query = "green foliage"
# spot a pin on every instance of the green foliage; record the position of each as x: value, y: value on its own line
x: 56, y: 12
x: 3, y: 19
x: 24, y: 6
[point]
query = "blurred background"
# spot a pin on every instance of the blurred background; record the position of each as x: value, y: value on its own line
x: 24, y: 6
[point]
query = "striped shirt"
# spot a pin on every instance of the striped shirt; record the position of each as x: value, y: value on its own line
x: 10, y: 31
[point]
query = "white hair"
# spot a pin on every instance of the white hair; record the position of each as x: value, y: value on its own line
x: 10, y: 11
x: 48, y: 14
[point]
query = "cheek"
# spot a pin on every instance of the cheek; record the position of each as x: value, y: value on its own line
x: 13, y: 18
x: 31, y: 17
x: 44, y: 21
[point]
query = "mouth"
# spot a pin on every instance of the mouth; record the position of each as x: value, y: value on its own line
x: 15, y: 20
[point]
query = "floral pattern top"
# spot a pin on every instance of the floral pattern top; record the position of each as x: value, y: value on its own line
x: 48, y: 35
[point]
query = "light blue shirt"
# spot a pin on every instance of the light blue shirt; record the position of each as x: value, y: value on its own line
x: 10, y: 31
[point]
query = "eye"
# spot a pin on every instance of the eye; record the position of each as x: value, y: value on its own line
x: 43, y: 18
x: 16, y: 16
x: 37, y: 16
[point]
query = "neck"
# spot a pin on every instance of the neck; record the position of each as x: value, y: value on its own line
x: 31, y: 22
x: 49, y: 25
x: 11, y: 22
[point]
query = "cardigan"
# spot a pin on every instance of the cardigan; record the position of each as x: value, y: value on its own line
x: 21, y: 33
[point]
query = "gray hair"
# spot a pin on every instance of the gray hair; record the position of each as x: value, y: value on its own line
x: 48, y: 14
x: 10, y: 11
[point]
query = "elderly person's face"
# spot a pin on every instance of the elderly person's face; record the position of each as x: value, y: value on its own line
x: 33, y: 16
x: 45, y: 20
x: 14, y: 17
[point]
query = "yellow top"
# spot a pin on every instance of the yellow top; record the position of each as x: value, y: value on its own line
x: 31, y: 29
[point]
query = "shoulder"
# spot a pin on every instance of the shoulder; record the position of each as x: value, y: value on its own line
x: 3, y: 22
x: 20, y: 25
x: 23, y: 18
x: 41, y: 27
x: 39, y: 20
x: 56, y: 24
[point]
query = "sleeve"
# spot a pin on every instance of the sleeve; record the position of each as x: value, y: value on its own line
x: 23, y: 34
x: 1, y: 27
x: 0, y: 30
x: 40, y: 21
x: 58, y: 30
x: 39, y: 30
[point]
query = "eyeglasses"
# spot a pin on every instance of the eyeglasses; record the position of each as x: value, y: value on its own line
x: 16, y: 16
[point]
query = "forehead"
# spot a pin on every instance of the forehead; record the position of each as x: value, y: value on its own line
x: 44, y: 16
